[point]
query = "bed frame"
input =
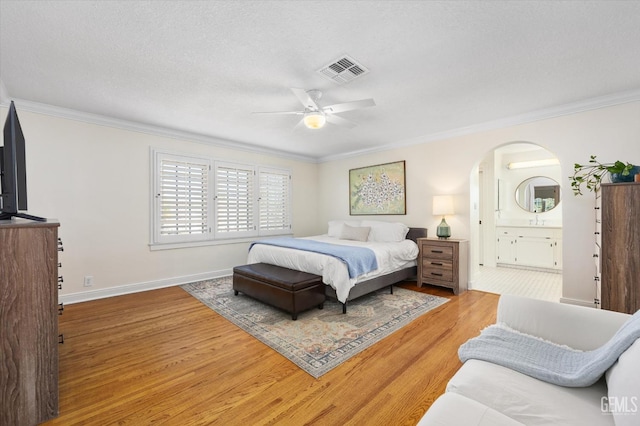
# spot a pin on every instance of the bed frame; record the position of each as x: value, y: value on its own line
x: 368, y: 286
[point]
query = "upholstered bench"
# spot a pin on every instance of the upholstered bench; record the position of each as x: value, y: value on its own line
x: 287, y: 289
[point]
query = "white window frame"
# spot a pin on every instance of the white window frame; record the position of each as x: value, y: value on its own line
x: 282, y: 222
x: 157, y: 198
x: 215, y: 235
x: 240, y: 224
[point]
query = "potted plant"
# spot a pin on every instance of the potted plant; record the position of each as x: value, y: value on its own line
x: 591, y: 174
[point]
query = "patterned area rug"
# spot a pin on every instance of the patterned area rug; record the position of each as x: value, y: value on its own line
x: 320, y: 339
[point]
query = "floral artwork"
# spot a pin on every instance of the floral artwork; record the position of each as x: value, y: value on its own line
x: 378, y: 189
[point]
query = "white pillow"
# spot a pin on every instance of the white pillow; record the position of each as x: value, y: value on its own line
x: 386, y: 232
x: 335, y: 227
x: 355, y: 233
x: 624, y: 387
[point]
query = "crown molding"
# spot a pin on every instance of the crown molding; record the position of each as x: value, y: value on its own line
x: 542, y: 114
x: 530, y: 117
x: 101, y: 120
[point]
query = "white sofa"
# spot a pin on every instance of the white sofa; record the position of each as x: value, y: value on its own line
x: 482, y: 393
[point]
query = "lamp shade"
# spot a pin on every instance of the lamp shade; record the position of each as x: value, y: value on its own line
x: 314, y: 120
x: 442, y: 205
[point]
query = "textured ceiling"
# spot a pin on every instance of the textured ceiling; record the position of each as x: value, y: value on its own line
x: 204, y: 67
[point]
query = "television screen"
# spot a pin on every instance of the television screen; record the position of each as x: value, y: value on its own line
x: 13, y: 170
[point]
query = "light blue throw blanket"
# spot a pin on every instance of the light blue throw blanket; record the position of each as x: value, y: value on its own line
x: 359, y: 260
x: 547, y: 361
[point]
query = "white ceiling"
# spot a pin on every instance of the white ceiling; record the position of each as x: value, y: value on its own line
x: 202, y: 67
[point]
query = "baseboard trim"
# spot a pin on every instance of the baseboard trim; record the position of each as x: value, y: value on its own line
x: 529, y: 268
x: 578, y: 302
x: 85, y: 296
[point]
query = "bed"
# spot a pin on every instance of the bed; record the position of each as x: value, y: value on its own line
x: 394, y: 245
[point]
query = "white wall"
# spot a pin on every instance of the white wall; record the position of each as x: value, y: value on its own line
x: 446, y: 166
x: 96, y: 181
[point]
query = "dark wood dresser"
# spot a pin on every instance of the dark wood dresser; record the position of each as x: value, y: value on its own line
x: 620, y: 251
x: 28, y: 321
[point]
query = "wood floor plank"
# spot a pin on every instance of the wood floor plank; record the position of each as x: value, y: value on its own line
x: 163, y: 357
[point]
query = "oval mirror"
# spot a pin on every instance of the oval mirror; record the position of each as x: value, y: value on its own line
x: 538, y: 194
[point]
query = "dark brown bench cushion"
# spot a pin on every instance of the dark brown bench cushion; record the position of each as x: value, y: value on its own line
x: 287, y: 289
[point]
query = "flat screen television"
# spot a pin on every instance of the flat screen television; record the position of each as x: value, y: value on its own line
x: 13, y: 173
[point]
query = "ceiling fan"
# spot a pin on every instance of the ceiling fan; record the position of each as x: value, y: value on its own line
x: 315, y: 116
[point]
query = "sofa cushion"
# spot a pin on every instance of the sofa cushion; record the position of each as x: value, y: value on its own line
x: 528, y: 400
x: 578, y: 327
x: 624, y: 388
x: 452, y: 409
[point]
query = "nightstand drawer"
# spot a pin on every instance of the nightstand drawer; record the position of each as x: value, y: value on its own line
x: 437, y: 252
x: 437, y: 264
x: 437, y: 272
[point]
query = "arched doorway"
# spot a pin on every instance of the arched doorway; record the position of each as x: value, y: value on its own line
x: 516, y: 224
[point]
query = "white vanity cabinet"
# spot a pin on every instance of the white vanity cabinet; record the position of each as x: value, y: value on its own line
x: 534, y: 246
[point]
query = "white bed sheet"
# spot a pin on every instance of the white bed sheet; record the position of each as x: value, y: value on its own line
x: 390, y: 257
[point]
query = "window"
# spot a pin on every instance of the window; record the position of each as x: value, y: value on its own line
x: 274, y: 201
x: 182, y: 198
x: 234, y: 200
x: 198, y: 199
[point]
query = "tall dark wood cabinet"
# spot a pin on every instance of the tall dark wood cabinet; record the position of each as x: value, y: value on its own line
x: 28, y: 321
x: 620, y: 250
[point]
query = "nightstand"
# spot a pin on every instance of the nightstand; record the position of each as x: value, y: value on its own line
x: 443, y: 263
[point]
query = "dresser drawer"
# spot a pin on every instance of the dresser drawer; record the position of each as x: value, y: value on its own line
x: 437, y: 251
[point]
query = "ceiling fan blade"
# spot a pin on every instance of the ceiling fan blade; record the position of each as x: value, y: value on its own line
x: 299, y: 126
x: 280, y: 112
x: 334, y: 119
x: 305, y: 99
x: 349, y: 106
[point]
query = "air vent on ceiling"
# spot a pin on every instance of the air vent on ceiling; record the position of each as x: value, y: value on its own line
x: 343, y: 70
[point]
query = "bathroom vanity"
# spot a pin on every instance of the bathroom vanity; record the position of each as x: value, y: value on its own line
x: 529, y: 246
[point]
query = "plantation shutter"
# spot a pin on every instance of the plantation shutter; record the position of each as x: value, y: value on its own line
x: 234, y: 200
x: 274, y: 201
x: 182, y: 209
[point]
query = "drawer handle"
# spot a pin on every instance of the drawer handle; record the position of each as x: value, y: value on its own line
x: 436, y: 274
x: 436, y: 263
x: 436, y: 251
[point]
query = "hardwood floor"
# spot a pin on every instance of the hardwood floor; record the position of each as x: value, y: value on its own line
x: 163, y: 357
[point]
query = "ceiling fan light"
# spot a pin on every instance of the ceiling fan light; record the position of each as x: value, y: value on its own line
x: 314, y: 120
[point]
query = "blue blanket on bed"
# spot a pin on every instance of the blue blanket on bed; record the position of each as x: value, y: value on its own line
x: 359, y: 260
x: 547, y: 361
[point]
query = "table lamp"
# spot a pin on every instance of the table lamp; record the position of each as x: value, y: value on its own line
x: 443, y: 205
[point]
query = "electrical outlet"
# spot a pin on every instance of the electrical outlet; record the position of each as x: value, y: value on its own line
x: 88, y: 280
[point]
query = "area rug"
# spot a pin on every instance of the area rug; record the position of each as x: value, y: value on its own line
x: 320, y: 339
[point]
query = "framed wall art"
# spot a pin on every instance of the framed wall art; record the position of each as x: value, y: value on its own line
x: 379, y: 189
